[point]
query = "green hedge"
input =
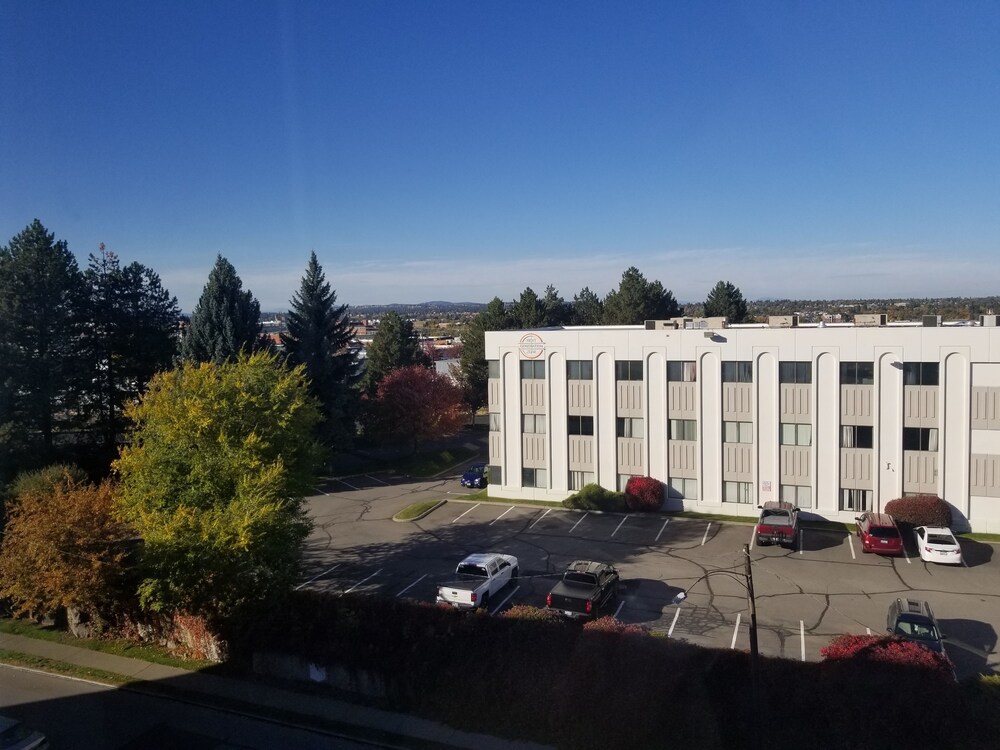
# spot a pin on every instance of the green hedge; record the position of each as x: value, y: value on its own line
x: 595, y: 497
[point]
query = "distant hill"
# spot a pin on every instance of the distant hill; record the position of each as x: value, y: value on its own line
x: 417, y: 310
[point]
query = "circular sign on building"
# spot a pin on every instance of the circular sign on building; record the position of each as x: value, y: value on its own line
x: 531, y: 346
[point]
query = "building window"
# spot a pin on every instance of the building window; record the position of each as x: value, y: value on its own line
x: 679, y: 487
x: 795, y: 372
x: 494, y: 421
x: 856, y: 500
x: 579, y: 369
x: 623, y: 481
x: 737, y: 492
x: 580, y: 425
x: 533, y: 424
x: 796, y: 434
x: 628, y: 369
x: 797, y: 495
x: 857, y: 373
x: 737, y: 372
x: 682, y: 372
x: 856, y: 436
x: 534, y: 478
x: 737, y: 432
x: 920, y: 439
x: 532, y: 370
x: 630, y: 427
x: 494, y: 474
x: 580, y: 479
x: 920, y: 373
x: 493, y: 368
x: 683, y: 429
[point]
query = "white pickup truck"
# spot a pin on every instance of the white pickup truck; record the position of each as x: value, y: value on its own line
x: 478, y: 579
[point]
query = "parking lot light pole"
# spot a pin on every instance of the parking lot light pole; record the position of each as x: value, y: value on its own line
x: 746, y: 580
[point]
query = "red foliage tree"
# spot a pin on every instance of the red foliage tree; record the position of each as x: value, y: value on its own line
x: 920, y: 510
x: 415, y: 403
x: 644, y: 494
x: 888, y: 649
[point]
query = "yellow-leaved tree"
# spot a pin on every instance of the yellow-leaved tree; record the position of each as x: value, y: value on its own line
x: 212, y: 479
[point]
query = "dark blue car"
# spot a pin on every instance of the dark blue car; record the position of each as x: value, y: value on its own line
x: 475, y: 476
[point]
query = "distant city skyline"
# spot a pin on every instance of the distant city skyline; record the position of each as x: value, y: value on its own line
x: 460, y: 152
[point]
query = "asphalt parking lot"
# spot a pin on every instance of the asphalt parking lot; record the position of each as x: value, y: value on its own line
x: 804, y: 597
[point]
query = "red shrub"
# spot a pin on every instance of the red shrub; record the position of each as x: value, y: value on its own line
x: 920, y: 510
x: 610, y: 624
x: 644, y: 494
x: 887, y: 649
x: 527, y: 612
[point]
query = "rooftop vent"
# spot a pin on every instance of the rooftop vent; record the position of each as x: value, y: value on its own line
x: 870, y: 320
x: 783, y: 321
x: 990, y: 321
x: 931, y: 321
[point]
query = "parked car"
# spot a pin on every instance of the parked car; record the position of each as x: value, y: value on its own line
x: 16, y: 736
x: 913, y: 620
x: 779, y: 522
x: 585, y: 589
x: 476, y: 476
x: 478, y: 578
x: 937, y: 544
x: 878, y: 533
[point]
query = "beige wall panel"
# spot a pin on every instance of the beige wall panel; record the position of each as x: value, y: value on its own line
x: 581, y: 397
x: 629, y: 398
x: 494, y: 392
x: 856, y: 404
x: 683, y: 460
x: 532, y: 396
x: 581, y: 453
x: 856, y: 468
x: 630, y: 453
x: 984, y: 475
x: 737, y: 462
x: 496, y: 447
x: 920, y: 406
x: 796, y: 464
x: 796, y: 403
x: 737, y: 401
x: 920, y: 471
x: 533, y: 451
x: 985, y: 408
x: 682, y: 400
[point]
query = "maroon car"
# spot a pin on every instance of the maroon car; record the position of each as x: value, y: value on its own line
x: 878, y: 533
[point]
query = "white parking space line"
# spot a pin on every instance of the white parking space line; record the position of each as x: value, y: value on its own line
x: 507, y: 599
x: 705, y: 538
x: 540, y: 518
x: 868, y: 631
x: 376, y: 479
x: 349, y: 486
x: 850, y: 542
x: 502, y: 515
x: 906, y: 557
x: 321, y: 491
x: 619, y: 526
x: 753, y: 537
x: 802, y: 638
x: 736, y: 631
x: 468, y: 511
x: 411, y: 585
x: 318, y: 575
x: 620, y: 605
x: 579, y: 522
x: 802, y: 540
x: 662, y: 529
x: 677, y: 613
x: 360, y: 582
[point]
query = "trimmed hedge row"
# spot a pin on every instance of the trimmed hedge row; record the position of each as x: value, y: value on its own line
x: 920, y: 510
x: 595, y: 497
x: 610, y: 685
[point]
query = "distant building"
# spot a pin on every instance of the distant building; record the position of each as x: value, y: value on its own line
x: 836, y: 418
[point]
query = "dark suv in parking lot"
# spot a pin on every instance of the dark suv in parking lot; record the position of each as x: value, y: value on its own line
x: 913, y: 620
x: 878, y: 533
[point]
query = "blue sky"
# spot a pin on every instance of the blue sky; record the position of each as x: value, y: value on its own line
x: 466, y: 150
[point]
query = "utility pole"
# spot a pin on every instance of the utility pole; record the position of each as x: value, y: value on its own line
x: 754, y: 653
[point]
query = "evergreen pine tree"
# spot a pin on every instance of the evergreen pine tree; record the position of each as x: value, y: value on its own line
x: 637, y: 300
x: 225, y: 321
x: 394, y: 345
x: 587, y: 309
x: 527, y: 311
x: 473, y: 372
x: 41, y: 293
x: 320, y: 337
x: 726, y: 301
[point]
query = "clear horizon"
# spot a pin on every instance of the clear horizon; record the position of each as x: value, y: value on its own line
x: 447, y: 150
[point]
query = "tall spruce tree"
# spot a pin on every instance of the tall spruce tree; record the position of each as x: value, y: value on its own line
x: 473, y: 371
x: 320, y: 337
x: 41, y: 295
x: 726, y: 301
x: 131, y: 335
x: 394, y: 345
x: 637, y: 300
x: 225, y: 321
x: 587, y: 308
x: 527, y: 311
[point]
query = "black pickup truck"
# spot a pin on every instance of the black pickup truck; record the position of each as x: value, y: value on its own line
x: 586, y: 588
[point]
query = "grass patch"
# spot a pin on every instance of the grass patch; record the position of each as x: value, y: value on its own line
x: 145, y: 652
x: 994, y: 538
x: 417, y: 510
x: 45, y: 664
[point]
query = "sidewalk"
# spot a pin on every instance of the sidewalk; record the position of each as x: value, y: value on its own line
x: 325, y: 714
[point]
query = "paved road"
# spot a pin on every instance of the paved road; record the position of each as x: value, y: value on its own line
x: 86, y: 716
x: 804, y: 598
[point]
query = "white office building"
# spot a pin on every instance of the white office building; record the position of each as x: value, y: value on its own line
x: 836, y: 419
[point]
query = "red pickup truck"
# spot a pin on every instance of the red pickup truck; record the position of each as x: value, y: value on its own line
x: 778, y: 523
